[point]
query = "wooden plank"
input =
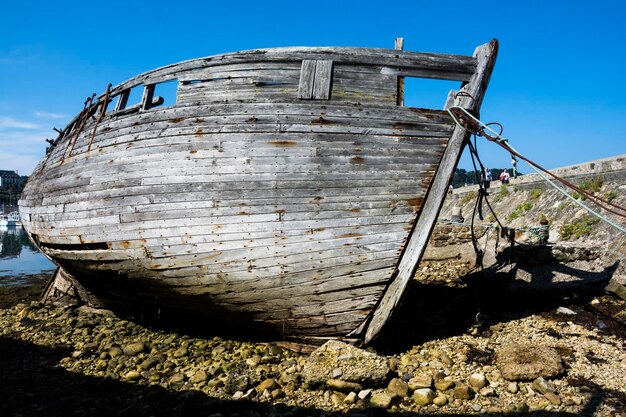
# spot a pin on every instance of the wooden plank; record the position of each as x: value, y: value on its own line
x: 476, y: 87
x: 148, y: 94
x: 307, y: 80
x: 323, y: 80
x: 441, y: 64
x: 190, y: 112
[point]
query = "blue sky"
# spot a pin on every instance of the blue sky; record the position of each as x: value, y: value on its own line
x: 557, y: 85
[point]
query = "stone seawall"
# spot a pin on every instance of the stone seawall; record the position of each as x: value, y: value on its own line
x: 611, y: 169
x: 575, y: 238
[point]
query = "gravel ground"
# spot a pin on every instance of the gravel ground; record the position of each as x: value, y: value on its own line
x: 60, y: 361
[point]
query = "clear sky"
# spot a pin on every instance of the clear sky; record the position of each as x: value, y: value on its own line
x: 557, y: 86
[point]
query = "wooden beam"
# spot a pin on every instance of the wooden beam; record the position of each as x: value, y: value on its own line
x: 476, y: 88
x: 399, y: 45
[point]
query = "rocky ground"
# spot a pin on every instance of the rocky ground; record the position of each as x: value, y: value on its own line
x: 459, y: 346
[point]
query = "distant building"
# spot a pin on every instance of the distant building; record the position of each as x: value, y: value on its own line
x: 11, y: 180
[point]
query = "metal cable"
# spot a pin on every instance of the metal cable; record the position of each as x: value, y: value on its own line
x: 472, y: 124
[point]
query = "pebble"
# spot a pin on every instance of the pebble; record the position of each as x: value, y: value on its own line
x: 132, y: 376
x: 440, y: 400
x: 364, y: 394
x: 444, y: 384
x: 198, y: 377
x: 477, y: 381
x: 268, y: 384
x: 553, y: 398
x: 351, y: 398
x: 488, y: 392
x: 566, y: 311
x: 512, y: 387
x: 343, y: 386
x: 181, y: 352
x: 337, y: 398
x: 133, y: 349
x: 542, y: 385
x: 424, y: 396
x: 115, y: 351
x: 420, y: 381
x: 463, y: 392
x: 398, y: 387
x: 381, y: 400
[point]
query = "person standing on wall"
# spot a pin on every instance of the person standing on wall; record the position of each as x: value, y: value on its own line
x: 487, y: 177
x: 504, y: 177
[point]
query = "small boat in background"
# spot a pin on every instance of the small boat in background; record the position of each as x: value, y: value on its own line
x: 286, y: 190
x: 10, y: 220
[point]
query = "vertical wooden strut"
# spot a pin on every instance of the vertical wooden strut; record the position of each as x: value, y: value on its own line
x: 103, y: 110
x: 476, y: 88
x: 399, y: 46
x: 80, y: 124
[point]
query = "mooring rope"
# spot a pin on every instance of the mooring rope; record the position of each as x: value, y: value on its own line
x: 473, y: 125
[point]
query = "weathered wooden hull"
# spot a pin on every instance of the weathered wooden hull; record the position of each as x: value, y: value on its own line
x: 285, y: 189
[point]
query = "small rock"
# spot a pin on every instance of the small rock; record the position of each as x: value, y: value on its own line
x: 512, y: 387
x: 101, y: 365
x: 181, y: 352
x: 424, y: 396
x: 463, y: 392
x: 477, y: 381
x: 343, y: 386
x: 398, y: 387
x: 148, y: 364
x: 237, y: 395
x: 476, y: 407
x: 277, y: 393
x: 440, y: 400
x: 337, y: 398
x: 527, y: 362
x: 115, y: 351
x: 542, y: 385
x: 132, y: 376
x: 336, y: 373
x: 363, y: 367
x: 198, y: 377
x: 444, y: 384
x: 382, y: 400
x: 488, y: 392
x: 269, y: 384
x: 553, y: 398
x: 364, y: 394
x: 566, y: 311
x: 351, y: 398
x: 543, y: 404
x: 177, y: 378
x: 253, y: 361
x: 420, y: 381
x: 133, y: 349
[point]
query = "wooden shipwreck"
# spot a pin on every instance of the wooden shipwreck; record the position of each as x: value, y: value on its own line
x: 287, y: 190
